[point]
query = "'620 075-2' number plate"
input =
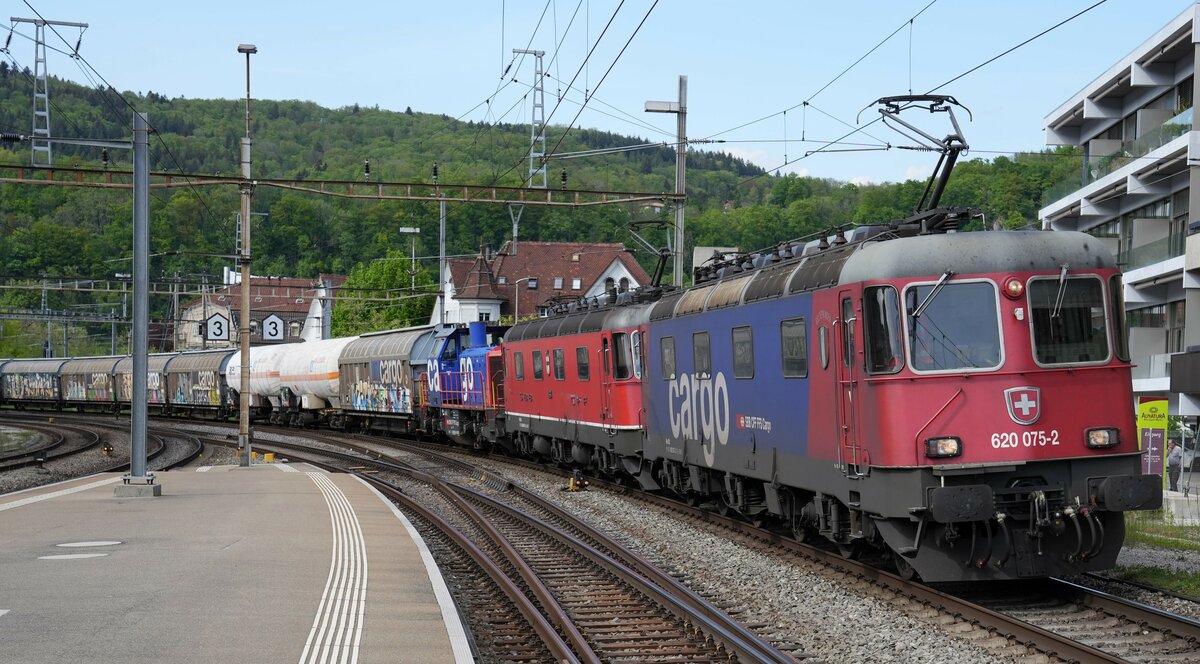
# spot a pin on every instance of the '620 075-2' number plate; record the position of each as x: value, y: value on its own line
x: 1037, y: 438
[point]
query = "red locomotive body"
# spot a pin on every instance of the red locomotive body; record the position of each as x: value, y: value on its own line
x: 573, y: 387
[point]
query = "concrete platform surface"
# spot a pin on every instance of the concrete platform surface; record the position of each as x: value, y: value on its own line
x: 229, y: 565
x: 1184, y: 509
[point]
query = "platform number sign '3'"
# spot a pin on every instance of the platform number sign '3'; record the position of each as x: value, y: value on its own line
x: 272, y: 328
x: 216, y: 328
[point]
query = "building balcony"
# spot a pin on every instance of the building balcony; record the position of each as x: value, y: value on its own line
x: 1124, y: 154
x: 1153, y: 377
x: 1153, y: 252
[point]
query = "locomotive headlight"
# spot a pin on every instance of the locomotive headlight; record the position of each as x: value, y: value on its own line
x: 946, y: 446
x: 1101, y: 438
x: 1014, y: 288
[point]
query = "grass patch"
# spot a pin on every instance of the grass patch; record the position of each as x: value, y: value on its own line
x: 1158, y: 529
x: 1187, y: 583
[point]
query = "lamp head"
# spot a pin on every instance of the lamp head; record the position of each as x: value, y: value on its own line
x: 247, y: 48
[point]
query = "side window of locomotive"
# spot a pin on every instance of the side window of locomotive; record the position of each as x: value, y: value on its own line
x: 743, y: 352
x: 667, y: 346
x: 1068, y: 319
x: 604, y: 357
x: 1116, y: 304
x: 621, y: 362
x: 823, y: 341
x: 848, y: 332
x: 701, y: 355
x: 635, y: 340
x: 560, y: 365
x: 581, y: 362
x: 793, y: 337
x: 958, y: 329
x: 882, y: 330
x: 519, y: 365
x: 537, y: 365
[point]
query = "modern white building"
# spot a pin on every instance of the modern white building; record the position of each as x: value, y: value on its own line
x: 1136, y: 188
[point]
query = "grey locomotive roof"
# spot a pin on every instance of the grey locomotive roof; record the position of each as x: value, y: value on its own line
x: 969, y: 253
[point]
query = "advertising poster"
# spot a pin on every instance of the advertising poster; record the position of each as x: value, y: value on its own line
x: 1152, y: 434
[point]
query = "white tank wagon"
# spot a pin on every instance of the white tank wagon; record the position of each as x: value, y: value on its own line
x: 299, y: 381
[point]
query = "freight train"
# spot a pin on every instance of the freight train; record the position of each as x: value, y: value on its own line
x: 958, y: 401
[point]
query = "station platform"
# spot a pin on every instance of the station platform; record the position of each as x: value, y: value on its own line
x: 271, y: 563
x: 1184, y: 509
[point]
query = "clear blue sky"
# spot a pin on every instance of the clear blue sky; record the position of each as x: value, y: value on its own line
x: 743, y: 60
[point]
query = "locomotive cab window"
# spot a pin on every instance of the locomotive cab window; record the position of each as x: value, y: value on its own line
x: 743, y: 352
x: 667, y: 347
x: 519, y: 365
x: 537, y: 365
x: 701, y: 355
x: 635, y: 340
x: 793, y: 338
x: 622, y: 365
x: 1116, y: 304
x: 883, y: 330
x: 953, y: 325
x: 1069, y: 325
x: 581, y: 362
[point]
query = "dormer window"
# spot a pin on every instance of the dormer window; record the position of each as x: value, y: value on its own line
x: 576, y: 283
x: 532, y: 283
x: 501, y: 280
x: 558, y: 282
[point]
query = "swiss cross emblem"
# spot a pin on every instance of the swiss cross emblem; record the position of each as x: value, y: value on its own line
x: 1024, y: 404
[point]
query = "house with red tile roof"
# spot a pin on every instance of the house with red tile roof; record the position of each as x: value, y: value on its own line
x: 529, y: 277
x: 304, y: 305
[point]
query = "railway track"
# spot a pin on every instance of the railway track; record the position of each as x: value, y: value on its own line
x: 1117, y: 629
x: 604, y: 602
x: 72, y: 435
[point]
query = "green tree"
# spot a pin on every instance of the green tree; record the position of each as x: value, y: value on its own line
x: 389, y: 277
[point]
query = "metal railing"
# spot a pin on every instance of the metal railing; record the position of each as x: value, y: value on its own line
x: 1098, y: 166
x: 1153, y: 252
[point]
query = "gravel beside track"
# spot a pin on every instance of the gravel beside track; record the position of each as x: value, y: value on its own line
x: 790, y: 604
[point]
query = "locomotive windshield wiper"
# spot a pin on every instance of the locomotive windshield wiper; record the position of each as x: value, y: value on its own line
x: 1062, y: 290
x: 937, y: 288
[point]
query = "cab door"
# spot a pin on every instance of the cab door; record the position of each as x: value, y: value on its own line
x: 606, y: 376
x: 850, y: 451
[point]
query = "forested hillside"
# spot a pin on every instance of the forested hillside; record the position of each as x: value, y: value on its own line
x: 67, y: 231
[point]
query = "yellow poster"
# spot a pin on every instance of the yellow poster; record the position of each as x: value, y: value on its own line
x: 1152, y: 433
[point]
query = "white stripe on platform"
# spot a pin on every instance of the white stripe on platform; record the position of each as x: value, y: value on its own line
x: 336, y: 633
x: 203, y: 469
x: 459, y: 644
x: 55, y: 494
x: 285, y: 467
x: 4, y: 611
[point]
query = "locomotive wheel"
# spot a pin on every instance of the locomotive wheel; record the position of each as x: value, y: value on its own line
x: 904, y: 569
x: 849, y: 551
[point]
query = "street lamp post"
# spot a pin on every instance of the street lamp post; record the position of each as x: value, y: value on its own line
x: 517, y: 298
x: 247, y: 189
